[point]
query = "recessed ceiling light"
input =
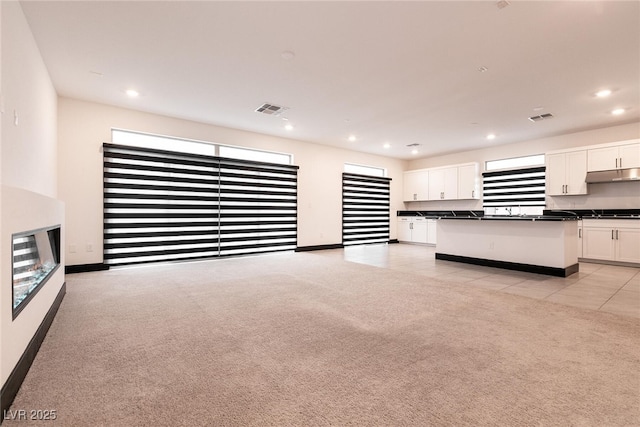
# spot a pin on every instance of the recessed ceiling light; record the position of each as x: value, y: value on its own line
x: 491, y: 136
x: 414, y: 151
x: 603, y: 93
x: 132, y: 93
x: 618, y: 111
x: 483, y: 69
x: 352, y: 138
x: 387, y: 145
x: 288, y: 126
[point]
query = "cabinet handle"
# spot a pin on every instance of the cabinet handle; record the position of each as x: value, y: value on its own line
x: 620, y: 162
x: 617, y: 234
x: 415, y: 196
x: 612, y: 234
x: 579, y: 233
x: 473, y: 194
x: 616, y: 163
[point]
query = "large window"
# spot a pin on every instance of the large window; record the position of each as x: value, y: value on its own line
x: 365, y: 209
x: 166, y: 205
x: 518, y: 191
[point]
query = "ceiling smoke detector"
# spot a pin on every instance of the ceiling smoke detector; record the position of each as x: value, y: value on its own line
x: 541, y: 117
x: 502, y: 4
x: 270, y: 109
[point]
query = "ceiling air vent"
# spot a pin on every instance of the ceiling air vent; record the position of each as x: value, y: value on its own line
x: 270, y: 109
x: 413, y: 145
x: 541, y: 117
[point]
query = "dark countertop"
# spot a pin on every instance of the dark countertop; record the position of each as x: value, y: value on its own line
x: 547, y: 215
x: 440, y: 214
x: 514, y: 218
x: 597, y: 213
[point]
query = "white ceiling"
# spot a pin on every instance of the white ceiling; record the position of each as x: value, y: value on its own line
x: 397, y: 72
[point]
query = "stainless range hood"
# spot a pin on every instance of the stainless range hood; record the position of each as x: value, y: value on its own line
x: 614, y: 175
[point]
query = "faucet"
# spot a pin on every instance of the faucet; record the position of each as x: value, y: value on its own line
x: 453, y: 213
x: 473, y: 213
x: 508, y: 210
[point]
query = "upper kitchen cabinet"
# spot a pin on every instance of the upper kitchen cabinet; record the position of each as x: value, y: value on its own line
x: 443, y: 183
x: 416, y: 185
x: 468, y: 181
x: 623, y: 156
x: 457, y: 182
x: 566, y: 173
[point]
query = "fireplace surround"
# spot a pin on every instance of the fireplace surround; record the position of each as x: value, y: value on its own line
x: 35, y: 256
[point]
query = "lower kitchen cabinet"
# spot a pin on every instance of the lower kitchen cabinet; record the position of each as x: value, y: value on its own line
x: 580, y: 231
x: 413, y: 229
x: 611, y: 240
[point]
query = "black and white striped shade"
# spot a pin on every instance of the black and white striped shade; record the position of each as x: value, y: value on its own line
x: 162, y: 205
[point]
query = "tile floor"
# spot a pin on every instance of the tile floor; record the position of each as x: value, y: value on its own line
x: 613, y: 289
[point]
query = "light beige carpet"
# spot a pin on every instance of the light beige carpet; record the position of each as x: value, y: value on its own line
x: 300, y: 339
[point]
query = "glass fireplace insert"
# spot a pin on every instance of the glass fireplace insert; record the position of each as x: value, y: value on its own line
x: 35, y: 257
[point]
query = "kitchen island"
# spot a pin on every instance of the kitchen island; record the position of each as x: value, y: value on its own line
x: 537, y: 244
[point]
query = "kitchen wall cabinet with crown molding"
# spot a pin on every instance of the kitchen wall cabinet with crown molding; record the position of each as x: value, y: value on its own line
x: 566, y: 173
x: 623, y: 156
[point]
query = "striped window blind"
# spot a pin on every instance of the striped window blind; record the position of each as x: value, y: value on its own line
x: 162, y: 205
x: 365, y: 209
x: 519, y: 187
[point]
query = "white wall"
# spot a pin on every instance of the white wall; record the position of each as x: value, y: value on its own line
x: 84, y: 126
x: 27, y: 173
x: 601, y: 196
x: 29, y: 147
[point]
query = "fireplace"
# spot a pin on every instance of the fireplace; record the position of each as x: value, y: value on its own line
x: 35, y: 257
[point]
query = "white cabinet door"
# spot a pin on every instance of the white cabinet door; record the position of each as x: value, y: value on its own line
x: 576, y: 172
x: 431, y: 231
x: 419, y: 232
x: 616, y: 157
x: 602, y: 159
x: 556, y: 173
x: 450, y: 189
x: 630, y: 156
x: 598, y: 243
x: 415, y: 185
x: 468, y: 182
x: 436, y: 184
x: 404, y: 229
x: 566, y: 173
x: 580, y: 231
x: 628, y: 245
x: 443, y: 184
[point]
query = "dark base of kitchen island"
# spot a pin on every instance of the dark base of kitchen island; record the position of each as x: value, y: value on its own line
x: 539, y: 269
